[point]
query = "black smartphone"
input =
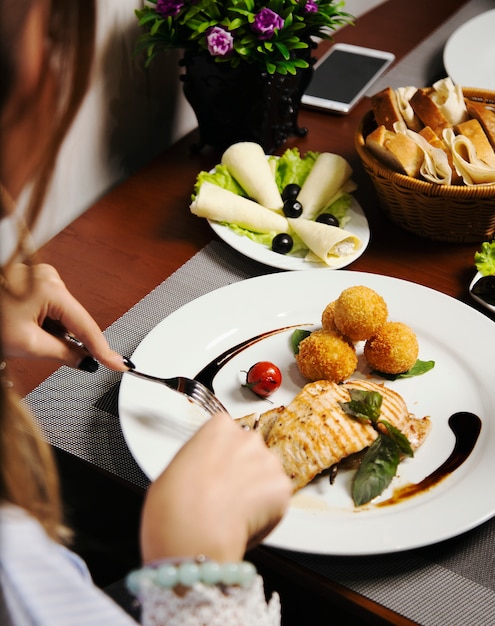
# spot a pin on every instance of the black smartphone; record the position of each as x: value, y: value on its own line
x: 343, y: 75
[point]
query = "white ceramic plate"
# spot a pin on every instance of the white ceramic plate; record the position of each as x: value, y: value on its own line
x: 469, y: 54
x: 322, y: 518
x: 358, y: 225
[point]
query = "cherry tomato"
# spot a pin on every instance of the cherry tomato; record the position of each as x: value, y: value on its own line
x: 263, y: 378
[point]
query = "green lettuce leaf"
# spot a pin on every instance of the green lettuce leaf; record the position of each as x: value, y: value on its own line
x: 292, y: 168
x: 221, y: 177
x: 484, y: 259
x: 339, y: 208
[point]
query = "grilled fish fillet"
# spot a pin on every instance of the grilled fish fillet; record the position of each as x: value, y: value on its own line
x: 312, y: 433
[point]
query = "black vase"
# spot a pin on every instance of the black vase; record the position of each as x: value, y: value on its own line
x: 243, y: 104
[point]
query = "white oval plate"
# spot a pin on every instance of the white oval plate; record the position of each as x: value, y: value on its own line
x: 469, y: 54
x: 358, y: 225
x: 322, y: 518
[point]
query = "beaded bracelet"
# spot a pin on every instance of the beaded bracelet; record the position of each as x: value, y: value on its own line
x: 167, y: 575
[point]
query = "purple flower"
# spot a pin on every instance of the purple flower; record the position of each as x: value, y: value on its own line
x: 265, y: 23
x: 220, y: 41
x: 169, y: 8
x: 311, y: 7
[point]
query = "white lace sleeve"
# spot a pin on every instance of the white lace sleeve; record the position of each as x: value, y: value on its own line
x: 211, y: 605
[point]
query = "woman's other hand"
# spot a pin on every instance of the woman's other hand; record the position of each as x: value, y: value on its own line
x: 222, y: 494
x: 35, y: 294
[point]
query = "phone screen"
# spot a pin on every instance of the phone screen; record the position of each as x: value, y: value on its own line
x: 343, y: 76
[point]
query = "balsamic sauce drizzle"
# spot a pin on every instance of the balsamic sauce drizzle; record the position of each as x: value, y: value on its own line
x: 466, y: 428
x: 208, y: 373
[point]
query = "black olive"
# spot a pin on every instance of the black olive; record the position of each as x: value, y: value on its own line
x: 282, y: 243
x: 290, y: 191
x: 292, y: 208
x: 328, y: 219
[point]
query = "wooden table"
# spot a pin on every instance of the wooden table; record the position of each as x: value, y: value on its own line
x: 142, y: 231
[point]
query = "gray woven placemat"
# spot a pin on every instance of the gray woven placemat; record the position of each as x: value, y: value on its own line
x: 424, y: 65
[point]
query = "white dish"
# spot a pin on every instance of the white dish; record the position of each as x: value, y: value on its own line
x: 358, y: 225
x: 469, y: 54
x: 322, y: 518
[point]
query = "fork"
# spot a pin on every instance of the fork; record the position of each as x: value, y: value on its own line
x: 193, y: 389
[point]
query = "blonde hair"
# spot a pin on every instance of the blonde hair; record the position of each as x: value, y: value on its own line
x: 28, y: 472
x: 29, y: 476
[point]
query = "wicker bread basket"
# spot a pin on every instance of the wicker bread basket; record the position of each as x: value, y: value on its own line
x: 453, y: 213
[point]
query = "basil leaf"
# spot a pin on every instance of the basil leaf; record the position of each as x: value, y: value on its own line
x: 297, y: 336
x: 400, y: 439
x: 420, y: 367
x: 378, y: 467
x: 364, y: 405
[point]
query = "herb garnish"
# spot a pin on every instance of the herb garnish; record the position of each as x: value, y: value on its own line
x: 420, y: 367
x: 364, y: 405
x: 380, y: 462
x: 297, y: 336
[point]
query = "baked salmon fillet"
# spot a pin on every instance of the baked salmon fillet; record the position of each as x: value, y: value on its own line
x: 313, y: 432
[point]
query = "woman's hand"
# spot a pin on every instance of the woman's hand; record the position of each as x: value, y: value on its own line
x: 36, y: 294
x: 221, y: 495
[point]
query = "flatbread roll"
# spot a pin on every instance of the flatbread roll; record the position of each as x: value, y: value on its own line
x: 435, y: 167
x: 328, y: 174
x: 436, y: 142
x: 221, y: 205
x: 473, y: 170
x: 404, y: 95
x: 472, y: 130
x: 328, y: 243
x: 247, y: 163
x: 450, y: 100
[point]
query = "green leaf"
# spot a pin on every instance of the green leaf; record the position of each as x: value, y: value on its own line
x: 420, y: 367
x: 400, y: 439
x: 283, y: 50
x: 156, y: 26
x: 484, y: 259
x: 376, y: 471
x: 364, y: 405
x: 270, y: 67
x: 297, y: 336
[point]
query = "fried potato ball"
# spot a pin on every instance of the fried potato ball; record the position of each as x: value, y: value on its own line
x: 328, y: 317
x: 393, y: 349
x: 325, y: 355
x: 359, y: 312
